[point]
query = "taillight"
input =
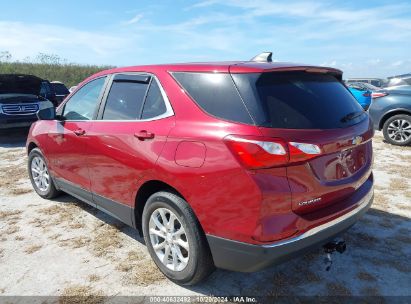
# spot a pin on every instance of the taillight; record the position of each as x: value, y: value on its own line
x: 254, y: 152
x: 264, y: 152
x: 378, y: 94
x: 302, y: 151
x: 366, y: 94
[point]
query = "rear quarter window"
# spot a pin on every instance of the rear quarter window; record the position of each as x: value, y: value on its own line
x: 216, y: 94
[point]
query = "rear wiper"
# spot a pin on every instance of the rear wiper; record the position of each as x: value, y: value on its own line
x: 351, y: 116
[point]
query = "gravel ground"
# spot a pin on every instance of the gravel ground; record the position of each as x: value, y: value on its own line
x: 64, y: 247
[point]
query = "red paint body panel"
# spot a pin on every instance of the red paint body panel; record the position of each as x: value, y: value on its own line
x: 189, y: 154
x: 66, y: 151
x: 117, y: 160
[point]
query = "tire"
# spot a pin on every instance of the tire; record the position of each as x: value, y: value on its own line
x: 397, y: 130
x: 36, y: 161
x: 198, y: 261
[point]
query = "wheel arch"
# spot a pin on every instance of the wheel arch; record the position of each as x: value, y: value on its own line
x: 392, y: 113
x: 32, y: 145
x: 147, y: 189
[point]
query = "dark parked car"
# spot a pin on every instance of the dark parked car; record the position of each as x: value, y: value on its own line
x: 60, y: 90
x: 399, y: 81
x: 391, y: 112
x: 378, y: 82
x: 235, y: 165
x: 21, y: 96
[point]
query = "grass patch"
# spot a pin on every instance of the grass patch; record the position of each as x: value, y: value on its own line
x: 55, y: 236
x: 77, y: 225
x: 12, y: 229
x: 337, y: 289
x: 386, y: 223
x: 33, y: 248
x: 404, y: 171
x: 78, y: 294
x: 94, y: 278
x: 10, y: 214
x: 405, y: 239
x: 20, y: 191
x: 10, y: 176
x: 63, y: 214
x: 362, y: 239
x: 366, y: 276
x: 76, y: 242
x: 399, y: 184
x: 370, y: 291
x: 380, y: 200
x: 144, y: 273
x: 106, y: 240
x: 139, y: 269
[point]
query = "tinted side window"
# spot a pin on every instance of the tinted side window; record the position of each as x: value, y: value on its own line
x: 82, y: 104
x: 60, y: 89
x: 216, y: 94
x: 154, y: 105
x: 45, y: 89
x: 125, y: 100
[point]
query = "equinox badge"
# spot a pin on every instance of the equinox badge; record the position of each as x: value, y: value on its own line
x: 309, y: 202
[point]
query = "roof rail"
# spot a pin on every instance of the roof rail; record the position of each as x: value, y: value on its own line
x: 263, y: 57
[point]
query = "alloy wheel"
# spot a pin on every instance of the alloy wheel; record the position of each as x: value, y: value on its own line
x: 168, y: 239
x: 40, y: 173
x: 399, y: 130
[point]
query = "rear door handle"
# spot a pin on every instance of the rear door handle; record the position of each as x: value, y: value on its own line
x: 79, y: 132
x: 143, y: 134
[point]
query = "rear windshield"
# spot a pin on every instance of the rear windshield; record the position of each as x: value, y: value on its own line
x: 289, y: 100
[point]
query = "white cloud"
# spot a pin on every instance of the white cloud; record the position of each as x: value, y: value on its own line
x: 27, y: 40
x: 397, y: 63
x: 374, y: 61
x: 332, y: 63
x: 135, y: 19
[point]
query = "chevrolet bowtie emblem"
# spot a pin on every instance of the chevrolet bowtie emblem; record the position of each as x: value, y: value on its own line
x: 356, y: 140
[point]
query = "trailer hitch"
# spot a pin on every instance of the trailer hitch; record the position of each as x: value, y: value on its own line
x: 329, y: 248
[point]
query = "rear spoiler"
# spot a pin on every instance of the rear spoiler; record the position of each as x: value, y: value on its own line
x: 283, y: 67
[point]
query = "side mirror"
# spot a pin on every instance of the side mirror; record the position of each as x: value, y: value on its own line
x: 47, y: 111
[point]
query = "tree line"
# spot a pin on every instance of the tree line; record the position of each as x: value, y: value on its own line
x: 48, y: 66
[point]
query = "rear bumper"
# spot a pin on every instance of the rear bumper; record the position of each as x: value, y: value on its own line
x: 244, y: 257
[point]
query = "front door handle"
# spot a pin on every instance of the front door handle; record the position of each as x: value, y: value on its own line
x: 79, y: 132
x: 143, y: 134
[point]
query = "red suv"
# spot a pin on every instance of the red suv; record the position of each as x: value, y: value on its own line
x: 235, y: 165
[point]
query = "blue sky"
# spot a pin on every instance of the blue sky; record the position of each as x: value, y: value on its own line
x: 363, y: 37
